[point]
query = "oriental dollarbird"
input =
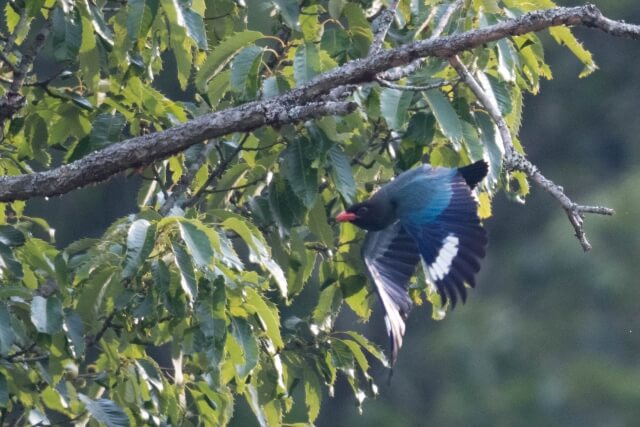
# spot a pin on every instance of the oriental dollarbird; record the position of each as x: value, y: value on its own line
x: 427, y: 213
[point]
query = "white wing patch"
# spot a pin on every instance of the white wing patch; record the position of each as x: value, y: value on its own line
x: 439, y: 268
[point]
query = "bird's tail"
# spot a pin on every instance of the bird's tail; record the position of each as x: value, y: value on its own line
x: 474, y: 173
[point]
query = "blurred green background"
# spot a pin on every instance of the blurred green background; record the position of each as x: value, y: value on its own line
x: 551, y: 335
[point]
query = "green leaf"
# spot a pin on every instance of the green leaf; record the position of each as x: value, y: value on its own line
x: 222, y: 54
x: 197, y: 242
x: 105, y: 411
x: 446, y: 116
x: 394, y: 104
x: 140, y: 16
x: 310, y: 23
x: 259, y: 249
x: 7, y: 336
x: 285, y: 206
x: 312, y: 393
x: 507, y: 60
x: 369, y: 346
x: 341, y: 174
x: 4, y: 391
x: 8, y: 263
x: 107, y: 129
x: 140, y: 240
x: 241, y: 332
x: 244, y: 71
x: 187, y: 274
x: 194, y: 25
x: 298, y: 170
x: 563, y: 36
x: 306, y: 63
x: 501, y: 94
x: 290, y: 12
x: 75, y: 332
x: 493, y: 145
x: 66, y: 35
x: 11, y: 236
x: 319, y: 224
x: 46, y: 314
x: 218, y: 87
x: 268, y: 315
x: 335, y: 8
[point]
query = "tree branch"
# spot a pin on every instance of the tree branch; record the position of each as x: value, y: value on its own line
x: 382, y: 25
x: 516, y: 161
x: 299, y: 104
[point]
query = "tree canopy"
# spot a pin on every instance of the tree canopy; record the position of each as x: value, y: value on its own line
x: 247, y: 125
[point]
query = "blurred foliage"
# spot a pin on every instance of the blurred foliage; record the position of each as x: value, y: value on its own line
x: 231, y: 298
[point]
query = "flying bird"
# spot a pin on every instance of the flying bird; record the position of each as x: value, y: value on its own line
x: 429, y: 213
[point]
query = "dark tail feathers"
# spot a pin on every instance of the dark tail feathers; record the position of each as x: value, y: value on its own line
x: 474, y: 173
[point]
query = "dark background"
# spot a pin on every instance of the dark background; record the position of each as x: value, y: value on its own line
x: 551, y: 335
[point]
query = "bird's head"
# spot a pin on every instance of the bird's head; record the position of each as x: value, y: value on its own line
x: 374, y: 214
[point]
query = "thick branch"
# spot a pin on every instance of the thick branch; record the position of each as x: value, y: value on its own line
x: 382, y: 25
x: 299, y: 104
x: 515, y: 161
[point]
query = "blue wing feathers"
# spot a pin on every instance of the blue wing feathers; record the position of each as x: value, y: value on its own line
x: 452, y: 242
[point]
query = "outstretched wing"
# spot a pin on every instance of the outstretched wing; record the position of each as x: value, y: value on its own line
x: 452, y: 243
x: 391, y: 256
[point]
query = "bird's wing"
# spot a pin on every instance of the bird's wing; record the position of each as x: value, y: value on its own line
x: 391, y: 257
x: 452, y: 243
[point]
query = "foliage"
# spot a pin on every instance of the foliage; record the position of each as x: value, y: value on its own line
x: 170, y: 319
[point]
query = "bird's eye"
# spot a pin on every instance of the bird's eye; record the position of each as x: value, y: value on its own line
x: 363, y: 210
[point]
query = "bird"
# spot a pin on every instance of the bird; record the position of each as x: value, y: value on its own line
x: 427, y: 214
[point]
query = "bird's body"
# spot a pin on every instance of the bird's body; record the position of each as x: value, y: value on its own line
x: 426, y: 214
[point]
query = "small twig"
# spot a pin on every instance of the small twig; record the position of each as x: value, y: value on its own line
x: 237, y: 187
x: 415, y: 88
x: 185, y: 180
x: 402, y: 72
x: 217, y: 173
x: 516, y: 161
x: 160, y: 182
x: 381, y: 26
x: 107, y: 322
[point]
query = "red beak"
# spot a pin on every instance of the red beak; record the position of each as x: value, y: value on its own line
x: 346, y: 216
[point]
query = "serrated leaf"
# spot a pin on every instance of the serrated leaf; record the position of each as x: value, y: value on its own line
x: 373, y: 349
x: 342, y: 174
x: 284, y: 205
x: 187, y: 274
x: 140, y: 240
x: 502, y: 94
x: 140, y: 16
x: 66, y: 35
x: 194, y: 25
x: 563, y: 36
x: 197, y: 242
x: 319, y: 223
x: 105, y: 411
x: 46, y: 314
x: 217, y: 87
x: 106, y: 129
x: 244, y: 71
x: 11, y: 236
x: 222, y: 54
x: 445, y: 115
x: 493, y: 145
x: 290, y: 12
x: 300, y: 174
x: 75, y: 332
x: 7, y: 336
x: 507, y: 60
x: 312, y: 394
x: 269, y: 316
x: 259, y: 250
x: 306, y: 63
x: 4, y: 391
x: 241, y: 332
x: 335, y: 8
x: 394, y: 104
